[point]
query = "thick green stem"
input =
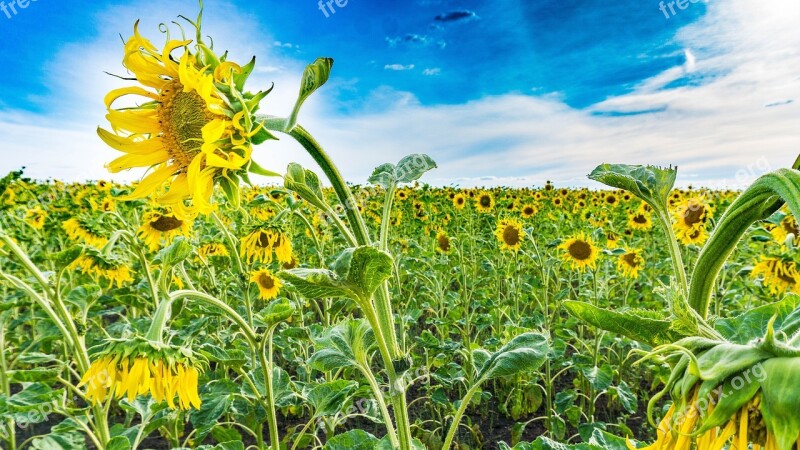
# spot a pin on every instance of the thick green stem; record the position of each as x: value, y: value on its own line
x: 11, y: 439
x: 674, y: 250
x: 265, y: 354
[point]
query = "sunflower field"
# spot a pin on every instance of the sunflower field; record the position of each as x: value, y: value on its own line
x: 196, y: 309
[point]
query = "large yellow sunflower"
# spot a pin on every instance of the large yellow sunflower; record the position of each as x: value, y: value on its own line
x: 158, y: 227
x: 689, y: 220
x: 484, y: 202
x: 510, y: 234
x: 196, y: 130
x: 580, y: 252
x: 268, y: 284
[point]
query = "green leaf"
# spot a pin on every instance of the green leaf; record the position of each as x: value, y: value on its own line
x: 631, y: 324
x: 84, y: 295
x: 345, y: 345
x: 175, y: 253
x: 232, y: 358
x: 352, y: 440
x: 41, y: 374
x: 119, y: 443
x: 627, y: 398
x: 753, y: 323
x: 357, y: 274
x: 216, y: 399
x: 329, y: 398
x: 599, y: 378
x: 525, y: 353
x: 410, y: 168
x: 256, y: 168
x: 60, y: 441
x: 780, y: 398
x: 649, y: 183
x: 277, y: 311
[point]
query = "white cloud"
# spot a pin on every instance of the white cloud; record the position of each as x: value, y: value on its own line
x: 398, y: 67
x: 745, y: 56
x: 432, y: 72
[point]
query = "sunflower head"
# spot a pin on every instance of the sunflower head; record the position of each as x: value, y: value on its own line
x: 780, y: 274
x: 510, y: 234
x: 195, y: 128
x: 162, y: 226
x: 99, y: 265
x: 580, y: 252
x: 443, y: 243
x: 134, y: 367
x: 268, y: 284
x: 484, y: 202
x: 459, y: 201
x: 630, y: 263
x: 265, y: 242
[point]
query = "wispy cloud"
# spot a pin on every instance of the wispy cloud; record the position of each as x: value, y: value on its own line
x: 398, y: 67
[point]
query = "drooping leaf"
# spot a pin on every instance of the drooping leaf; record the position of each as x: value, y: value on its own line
x: 352, y: 440
x: 631, y: 324
x: 329, y: 398
x: 525, y: 353
x: 649, y: 183
x: 753, y: 323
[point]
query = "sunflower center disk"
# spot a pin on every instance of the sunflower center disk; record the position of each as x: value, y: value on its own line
x: 266, y: 281
x: 511, y: 236
x: 183, y: 116
x: 580, y: 250
x: 694, y: 214
x: 166, y: 223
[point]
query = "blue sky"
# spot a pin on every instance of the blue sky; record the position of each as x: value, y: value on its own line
x: 500, y: 92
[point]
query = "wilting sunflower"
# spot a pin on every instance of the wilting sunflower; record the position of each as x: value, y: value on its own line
x: 689, y: 220
x: 484, y: 202
x: 510, y: 234
x: 780, y: 275
x: 131, y: 370
x: 35, y: 217
x: 528, y: 211
x: 459, y: 201
x: 268, y: 284
x: 261, y: 243
x: 213, y: 250
x: 99, y: 266
x: 195, y: 131
x: 630, y: 263
x: 443, y: 244
x: 84, y: 230
x: 580, y: 252
x: 162, y: 226
x: 787, y: 226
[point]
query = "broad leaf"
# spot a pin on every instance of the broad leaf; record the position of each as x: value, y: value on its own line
x: 352, y: 440
x: 525, y: 353
x: 630, y: 323
x: 651, y: 184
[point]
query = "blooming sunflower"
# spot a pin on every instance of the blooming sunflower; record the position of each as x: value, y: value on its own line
x: 459, y: 201
x: 528, y: 211
x: 630, y: 263
x: 484, y: 202
x: 261, y: 243
x: 580, y: 252
x: 443, y: 244
x: 195, y: 131
x: 510, y: 234
x: 35, y: 217
x: 640, y: 220
x: 689, y: 220
x: 780, y: 275
x: 130, y: 370
x: 268, y: 284
x: 162, y: 226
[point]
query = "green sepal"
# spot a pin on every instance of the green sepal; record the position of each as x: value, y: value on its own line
x: 779, y: 399
x: 730, y: 400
